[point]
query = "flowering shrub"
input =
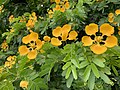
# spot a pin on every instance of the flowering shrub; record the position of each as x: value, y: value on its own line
x: 59, y: 45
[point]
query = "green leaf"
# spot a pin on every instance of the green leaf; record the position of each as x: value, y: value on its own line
x: 69, y: 81
x: 87, y: 73
x: 84, y: 64
x: 95, y: 70
x: 91, y: 81
x: 75, y: 62
x: 6, y: 85
x: 80, y: 3
x: 105, y: 78
x: 98, y: 62
x: 37, y: 84
x: 66, y: 65
x: 67, y: 57
x: 114, y: 70
x: 22, y: 62
x: 74, y: 72
x: 44, y: 72
x: 106, y: 70
x: 68, y: 73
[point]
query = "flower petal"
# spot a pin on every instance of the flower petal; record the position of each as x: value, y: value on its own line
x: 26, y: 39
x: 57, y: 1
x: 38, y: 44
x: 91, y: 29
x: 46, y: 38
x: 64, y: 36
x: 87, y: 41
x: 106, y: 29
x: 57, y: 31
x: 72, y: 35
x: 66, y: 28
x: 23, y: 50
x: 111, y: 41
x: 33, y: 36
x: 97, y: 49
x: 24, y: 84
x: 67, y: 5
x: 117, y: 11
x: 55, y: 42
x: 110, y: 20
x: 110, y: 15
x: 32, y: 54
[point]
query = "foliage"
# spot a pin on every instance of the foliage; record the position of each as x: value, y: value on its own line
x: 59, y: 44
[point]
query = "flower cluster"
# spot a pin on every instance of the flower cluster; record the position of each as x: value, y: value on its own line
x: 61, y: 5
x: 31, y: 22
x: 63, y: 33
x: 32, y: 45
x: 4, y: 46
x: 24, y: 84
x: 111, y: 16
x: 10, y: 61
x: 99, y: 40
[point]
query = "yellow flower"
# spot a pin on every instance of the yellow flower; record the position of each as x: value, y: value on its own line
x: 24, y: 84
x: 11, y: 58
x: 111, y: 41
x: 46, y: 38
x: 62, y: 9
x: 33, y: 45
x: 32, y: 54
x: 72, y: 35
x: 117, y: 11
x: 4, y: 46
x: 63, y: 33
x: 57, y: 1
x: 66, y: 28
x: 30, y: 23
x: 111, y: 20
x: 56, y: 8
x: 55, y: 41
x: 67, y: 5
x: 57, y: 31
x: 110, y: 15
x: 7, y: 64
x: 99, y: 40
x: 50, y: 12
x: 106, y: 29
x: 98, y: 49
x: 91, y: 29
x: 11, y: 18
x: 87, y: 41
x: 23, y: 50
